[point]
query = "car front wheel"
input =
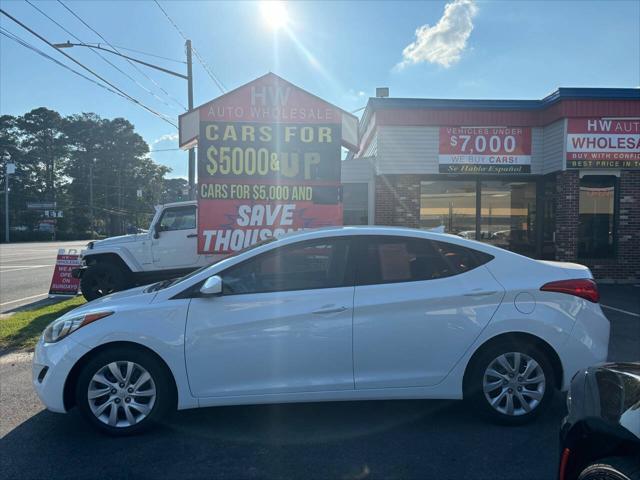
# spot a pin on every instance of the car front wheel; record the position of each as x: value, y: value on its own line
x: 123, y: 391
x: 512, y: 383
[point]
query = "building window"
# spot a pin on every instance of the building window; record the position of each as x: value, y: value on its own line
x: 596, y: 230
x: 355, y: 198
x: 507, y: 215
x: 451, y: 204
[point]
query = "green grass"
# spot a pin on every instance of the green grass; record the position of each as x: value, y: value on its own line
x: 22, y: 329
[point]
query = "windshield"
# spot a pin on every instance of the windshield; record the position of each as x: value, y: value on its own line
x: 171, y: 282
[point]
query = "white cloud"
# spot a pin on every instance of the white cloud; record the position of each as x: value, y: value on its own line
x: 445, y: 41
x: 167, y: 137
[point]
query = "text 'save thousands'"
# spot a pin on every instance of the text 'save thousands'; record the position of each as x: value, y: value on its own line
x: 260, y: 178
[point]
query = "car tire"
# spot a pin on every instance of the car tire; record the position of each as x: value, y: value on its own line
x: 138, y: 399
x: 612, y: 468
x: 506, y: 394
x: 102, y: 279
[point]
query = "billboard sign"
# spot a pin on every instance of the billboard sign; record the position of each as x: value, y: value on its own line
x: 504, y: 150
x: 603, y: 143
x: 268, y: 164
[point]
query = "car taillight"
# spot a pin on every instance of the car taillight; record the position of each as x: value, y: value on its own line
x: 581, y: 287
x: 564, y: 460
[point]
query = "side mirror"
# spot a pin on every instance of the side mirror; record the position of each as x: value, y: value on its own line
x: 212, y: 286
x: 157, y: 228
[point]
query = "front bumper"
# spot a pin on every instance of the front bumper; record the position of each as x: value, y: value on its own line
x: 52, y: 363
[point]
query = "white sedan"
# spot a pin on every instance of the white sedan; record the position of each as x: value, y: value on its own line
x: 349, y: 313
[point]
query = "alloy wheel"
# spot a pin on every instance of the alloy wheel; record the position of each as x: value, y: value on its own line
x: 514, y: 384
x: 121, y: 394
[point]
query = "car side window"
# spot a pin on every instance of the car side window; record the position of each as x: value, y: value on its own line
x: 302, y: 266
x: 389, y: 259
x: 461, y: 259
x: 179, y: 218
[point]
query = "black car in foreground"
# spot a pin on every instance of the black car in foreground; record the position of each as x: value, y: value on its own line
x: 600, y: 436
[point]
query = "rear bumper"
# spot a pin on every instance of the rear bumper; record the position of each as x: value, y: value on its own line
x: 588, y: 343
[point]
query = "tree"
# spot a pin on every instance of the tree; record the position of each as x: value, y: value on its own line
x: 175, y: 190
x: 97, y: 170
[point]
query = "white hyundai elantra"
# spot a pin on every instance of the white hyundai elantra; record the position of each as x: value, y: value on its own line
x: 348, y: 313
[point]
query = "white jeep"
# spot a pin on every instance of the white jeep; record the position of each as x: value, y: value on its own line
x: 168, y: 250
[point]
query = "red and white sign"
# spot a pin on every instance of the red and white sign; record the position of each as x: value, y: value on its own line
x: 268, y: 164
x: 62, y: 282
x: 485, y: 150
x: 233, y: 225
x: 603, y: 143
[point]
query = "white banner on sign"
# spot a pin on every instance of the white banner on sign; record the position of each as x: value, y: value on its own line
x: 485, y: 159
x: 598, y: 142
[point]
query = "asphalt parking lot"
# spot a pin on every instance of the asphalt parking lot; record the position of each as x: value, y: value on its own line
x: 26, y: 270
x: 352, y: 440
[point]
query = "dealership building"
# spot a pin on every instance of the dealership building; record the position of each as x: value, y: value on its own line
x: 556, y: 178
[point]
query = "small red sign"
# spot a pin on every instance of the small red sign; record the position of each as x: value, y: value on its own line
x: 62, y: 282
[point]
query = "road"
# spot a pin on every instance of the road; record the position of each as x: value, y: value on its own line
x: 350, y: 440
x: 26, y: 269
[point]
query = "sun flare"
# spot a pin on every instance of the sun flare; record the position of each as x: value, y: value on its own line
x: 274, y: 13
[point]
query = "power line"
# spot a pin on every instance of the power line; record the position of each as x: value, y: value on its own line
x: 207, y: 69
x: 171, y: 21
x: 150, y: 54
x: 205, y: 66
x: 102, y: 56
x: 129, y: 61
x: 164, y: 150
x: 20, y: 41
x: 129, y: 97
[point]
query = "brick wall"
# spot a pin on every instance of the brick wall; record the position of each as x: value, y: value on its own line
x: 626, y: 265
x: 568, y: 194
x: 384, y: 200
x: 398, y: 200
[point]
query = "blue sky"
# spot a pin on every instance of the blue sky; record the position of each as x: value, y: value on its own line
x: 340, y: 51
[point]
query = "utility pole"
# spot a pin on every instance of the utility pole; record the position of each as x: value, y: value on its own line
x: 192, y: 152
x: 10, y: 169
x: 91, y: 194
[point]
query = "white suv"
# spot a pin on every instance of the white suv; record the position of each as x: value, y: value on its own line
x: 167, y: 250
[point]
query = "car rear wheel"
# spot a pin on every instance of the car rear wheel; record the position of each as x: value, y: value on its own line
x: 613, y: 468
x: 511, y: 383
x: 102, y: 279
x: 123, y: 391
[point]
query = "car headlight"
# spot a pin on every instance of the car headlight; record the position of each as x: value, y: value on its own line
x: 60, y: 328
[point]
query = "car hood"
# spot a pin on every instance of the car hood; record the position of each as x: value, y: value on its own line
x: 136, y: 296
x: 118, y: 240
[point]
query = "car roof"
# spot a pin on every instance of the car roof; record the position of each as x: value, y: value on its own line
x: 323, y: 232
x: 178, y: 204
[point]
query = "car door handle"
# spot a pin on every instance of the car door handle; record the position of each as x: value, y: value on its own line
x: 480, y: 293
x: 191, y: 235
x: 324, y: 311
